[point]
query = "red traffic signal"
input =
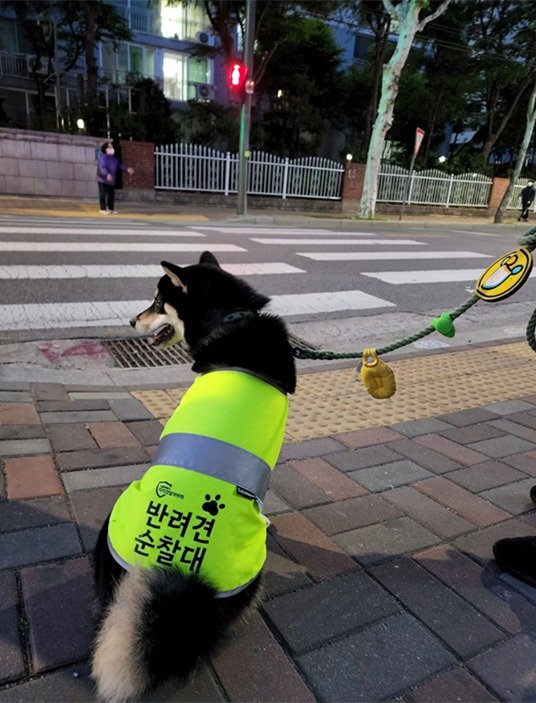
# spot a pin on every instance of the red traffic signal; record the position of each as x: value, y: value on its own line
x: 236, y: 81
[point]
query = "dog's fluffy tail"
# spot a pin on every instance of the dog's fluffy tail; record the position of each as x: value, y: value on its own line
x: 159, y: 623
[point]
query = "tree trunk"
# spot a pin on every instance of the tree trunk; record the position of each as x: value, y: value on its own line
x: 407, y: 14
x: 384, y: 117
x: 379, y: 54
x: 493, y: 136
x: 529, y: 129
x: 90, y: 9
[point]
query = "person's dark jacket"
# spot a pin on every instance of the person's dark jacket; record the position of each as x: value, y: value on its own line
x: 527, y: 195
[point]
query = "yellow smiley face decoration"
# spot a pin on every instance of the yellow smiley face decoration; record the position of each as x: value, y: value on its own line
x: 505, y: 275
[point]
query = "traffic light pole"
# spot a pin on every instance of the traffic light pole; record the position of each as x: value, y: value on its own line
x: 245, y: 112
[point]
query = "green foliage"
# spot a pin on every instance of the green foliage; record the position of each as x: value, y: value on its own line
x: 304, y: 72
x: 150, y: 120
x: 73, y: 27
x: 211, y: 124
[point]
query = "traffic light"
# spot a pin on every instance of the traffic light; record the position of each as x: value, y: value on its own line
x: 236, y: 81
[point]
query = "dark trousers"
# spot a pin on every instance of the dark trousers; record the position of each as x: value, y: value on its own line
x: 106, y: 196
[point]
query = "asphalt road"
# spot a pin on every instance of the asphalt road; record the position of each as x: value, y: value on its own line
x: 367, y: 285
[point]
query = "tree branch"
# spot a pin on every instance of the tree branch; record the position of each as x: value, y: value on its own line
x: 392, y: 10
x: 422, y: 24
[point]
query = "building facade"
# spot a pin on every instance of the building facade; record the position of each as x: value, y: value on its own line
x: 169, y: 44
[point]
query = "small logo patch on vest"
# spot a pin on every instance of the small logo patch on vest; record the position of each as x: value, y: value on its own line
x: 163, y: 488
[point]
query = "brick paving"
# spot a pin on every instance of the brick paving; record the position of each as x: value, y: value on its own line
x: 379, y: 586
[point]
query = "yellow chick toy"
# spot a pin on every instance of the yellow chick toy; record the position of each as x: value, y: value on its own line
x: 378, y: 378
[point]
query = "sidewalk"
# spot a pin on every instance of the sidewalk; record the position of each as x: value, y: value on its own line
x: 380, y: 583
x: 152, y: 211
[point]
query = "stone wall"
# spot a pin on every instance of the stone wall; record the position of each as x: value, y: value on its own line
x: 46, y: 163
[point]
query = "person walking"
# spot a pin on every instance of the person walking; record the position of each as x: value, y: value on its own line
x: 527, y: 198
x: 107, y: 166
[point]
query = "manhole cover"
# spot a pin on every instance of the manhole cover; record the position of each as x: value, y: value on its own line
x: 138, y: 353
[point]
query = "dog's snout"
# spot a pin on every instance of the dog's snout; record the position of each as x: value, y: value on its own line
x: 133, y: 321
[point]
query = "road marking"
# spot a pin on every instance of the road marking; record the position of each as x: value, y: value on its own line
x: 81, y: 231
x: 427, y: 276
x: 19, y: 272
x: 119, y: 312
x: 366, y: 242
x: 282, y: 231
x: 307, y: 303
x: 116, y: 246
x: 392, y: 255
x: 35, y: 316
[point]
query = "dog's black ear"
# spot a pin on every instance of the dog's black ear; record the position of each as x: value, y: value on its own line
x: 174, y: 273
x: 208, y: 258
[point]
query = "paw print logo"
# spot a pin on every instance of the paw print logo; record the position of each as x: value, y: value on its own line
x: 211, y: 506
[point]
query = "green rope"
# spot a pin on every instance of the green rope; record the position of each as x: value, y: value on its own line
x: 528, y: 240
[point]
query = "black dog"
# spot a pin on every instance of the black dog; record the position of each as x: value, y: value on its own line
x: 179, y: 558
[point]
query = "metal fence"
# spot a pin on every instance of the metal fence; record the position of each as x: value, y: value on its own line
x: 515, y: 199
x: 200, y: 168
x: 433, y: 187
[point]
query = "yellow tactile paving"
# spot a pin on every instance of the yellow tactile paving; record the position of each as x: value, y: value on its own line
x: 93, y: 212
x: 331, y: 402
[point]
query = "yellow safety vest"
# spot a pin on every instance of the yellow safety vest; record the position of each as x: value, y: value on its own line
x: 198, y: 507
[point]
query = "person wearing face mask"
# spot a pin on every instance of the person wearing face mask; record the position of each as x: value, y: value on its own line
x: 107, y: 167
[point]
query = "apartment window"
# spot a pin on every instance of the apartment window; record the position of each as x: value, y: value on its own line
x: 199, y: 73
x: 199, y: 70
x: 129, y: 58
x: 136, y: 59
x: 13, y: 38
x: 182, y: 21
x: 8, y: 37
x: 174, y: 67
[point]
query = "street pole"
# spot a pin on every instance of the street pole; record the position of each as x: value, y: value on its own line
x: 245, y: 112
x: 419, y: 135
x: 408, y: 186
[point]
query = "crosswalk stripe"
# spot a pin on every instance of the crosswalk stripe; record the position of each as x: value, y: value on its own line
x: 18, y: 272
x: 365, y: 242
x: 116, y: 246
x: 81, y: 231
x: 35, y: 316
x: 307, y: 303
x: 285, y: 232
x: 429, y: 276
x: 391, y: 255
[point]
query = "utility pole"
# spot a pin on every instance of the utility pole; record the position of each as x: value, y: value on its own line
x: 245, y: 112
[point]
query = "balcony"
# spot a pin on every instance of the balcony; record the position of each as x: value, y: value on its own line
x: 15, y: 65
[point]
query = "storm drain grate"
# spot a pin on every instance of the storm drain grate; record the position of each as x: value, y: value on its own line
x: 138, y: 353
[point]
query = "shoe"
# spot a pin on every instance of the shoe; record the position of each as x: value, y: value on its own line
x: 104, y: 212
x: 517, y: 556
x: 112, y: 212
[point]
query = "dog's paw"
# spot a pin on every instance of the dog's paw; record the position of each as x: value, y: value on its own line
x: 211, y: 506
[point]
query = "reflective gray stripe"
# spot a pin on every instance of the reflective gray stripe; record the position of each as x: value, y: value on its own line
x: 216, y: 458
x: 125, y: 564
